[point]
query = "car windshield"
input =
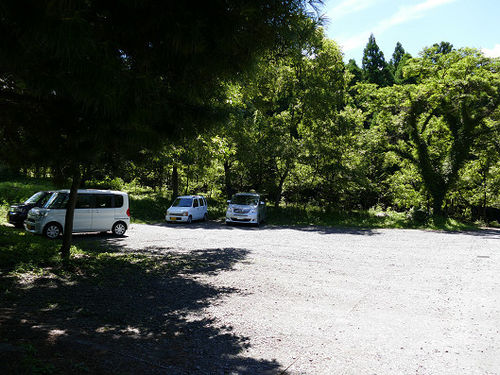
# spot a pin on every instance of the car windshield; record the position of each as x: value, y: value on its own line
x: 183, y: 202
x: 245, y: 200
x: 36, y: 197
x: 57, y: 200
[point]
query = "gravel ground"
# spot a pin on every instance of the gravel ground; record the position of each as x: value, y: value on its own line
x: 334, y: 301
x: 269, y: 300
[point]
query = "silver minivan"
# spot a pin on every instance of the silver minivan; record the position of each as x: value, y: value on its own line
x: 246, y: 208
x: 95, y: 211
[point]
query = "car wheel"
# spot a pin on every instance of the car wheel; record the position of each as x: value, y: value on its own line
x: 52, y: 230
x: 119, y: 228
x: 190, y: 219
x: 19, y: 225
x: 205, y: 217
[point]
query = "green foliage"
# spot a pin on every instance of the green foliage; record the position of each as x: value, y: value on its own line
x: 295, y: 123
x: 18, y: 190
x: 434, y: 123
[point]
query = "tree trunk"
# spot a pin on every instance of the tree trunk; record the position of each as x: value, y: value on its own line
x: 227, y: 179
x: 280, y: 187
x: 70, y: 211
x: 175, y: 182
x: 437, y: 203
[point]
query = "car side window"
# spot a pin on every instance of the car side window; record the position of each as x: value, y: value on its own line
x: 44, y: 200
x: 195, y: 202
x: 83, y: 201
x: 118, y: 201
x: 60, y: 201
x: 103, y: 201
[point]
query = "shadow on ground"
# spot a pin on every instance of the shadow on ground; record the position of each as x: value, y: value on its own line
x: 120, y: 315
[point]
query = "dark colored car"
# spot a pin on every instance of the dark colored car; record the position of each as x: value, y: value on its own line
x: 18, y: 212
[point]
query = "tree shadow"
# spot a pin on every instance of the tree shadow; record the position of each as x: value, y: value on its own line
x: 490, y: 233
x: 125, y: 314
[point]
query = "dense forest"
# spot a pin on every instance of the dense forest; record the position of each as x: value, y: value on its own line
x: 414, y: 133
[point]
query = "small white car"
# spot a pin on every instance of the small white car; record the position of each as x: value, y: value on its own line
x: 187, y: 208
x: 246, y: 208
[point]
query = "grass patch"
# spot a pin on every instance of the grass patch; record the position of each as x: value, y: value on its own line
x: 20, y: 190
x: 312, y: 215
x: 35, y: 285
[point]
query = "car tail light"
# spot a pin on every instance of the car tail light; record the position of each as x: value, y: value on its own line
x: 128, y: 212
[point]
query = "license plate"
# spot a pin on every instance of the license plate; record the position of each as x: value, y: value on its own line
x: 173, y: 218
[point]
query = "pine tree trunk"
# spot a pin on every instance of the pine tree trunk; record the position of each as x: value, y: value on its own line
x: 70, y: 211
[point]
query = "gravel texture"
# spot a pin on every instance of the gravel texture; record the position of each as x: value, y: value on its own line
x: 343, y: 301
x: 271, y: 300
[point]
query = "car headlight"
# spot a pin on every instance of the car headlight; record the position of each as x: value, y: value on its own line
x: 229, y: 209
x: 168, y: 212
x: 253, y: 210
x: 184, y: 213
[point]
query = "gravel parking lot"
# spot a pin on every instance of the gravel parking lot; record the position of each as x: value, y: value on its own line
x: 333, y: 301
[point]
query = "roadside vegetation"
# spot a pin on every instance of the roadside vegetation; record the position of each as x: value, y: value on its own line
x: 149, y: 206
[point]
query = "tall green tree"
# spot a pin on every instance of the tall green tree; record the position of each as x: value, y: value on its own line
x: 397, y: 56
x: 375, y: 68
x: 435, y: 122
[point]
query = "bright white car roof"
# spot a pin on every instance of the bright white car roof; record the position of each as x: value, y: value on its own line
x: 89, y: 191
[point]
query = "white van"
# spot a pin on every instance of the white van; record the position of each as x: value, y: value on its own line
x: 187, y: 208
x: 95, y: 211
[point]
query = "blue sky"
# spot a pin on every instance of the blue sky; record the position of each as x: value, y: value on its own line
x: 414, y: 23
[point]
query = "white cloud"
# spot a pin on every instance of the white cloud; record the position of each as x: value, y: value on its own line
x: 407, y: 13
x: 403, y: 15
x: 493, y: 52
x: 346, y: 7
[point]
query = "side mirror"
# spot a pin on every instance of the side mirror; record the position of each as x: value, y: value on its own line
x: 228, y: 201
x: 263, y: 203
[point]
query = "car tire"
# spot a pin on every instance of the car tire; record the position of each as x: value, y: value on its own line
x: 205, y: 217
x: 119, y: 228
x: 19, y: 225
x: 190, y: 219
x: 52, y: 230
